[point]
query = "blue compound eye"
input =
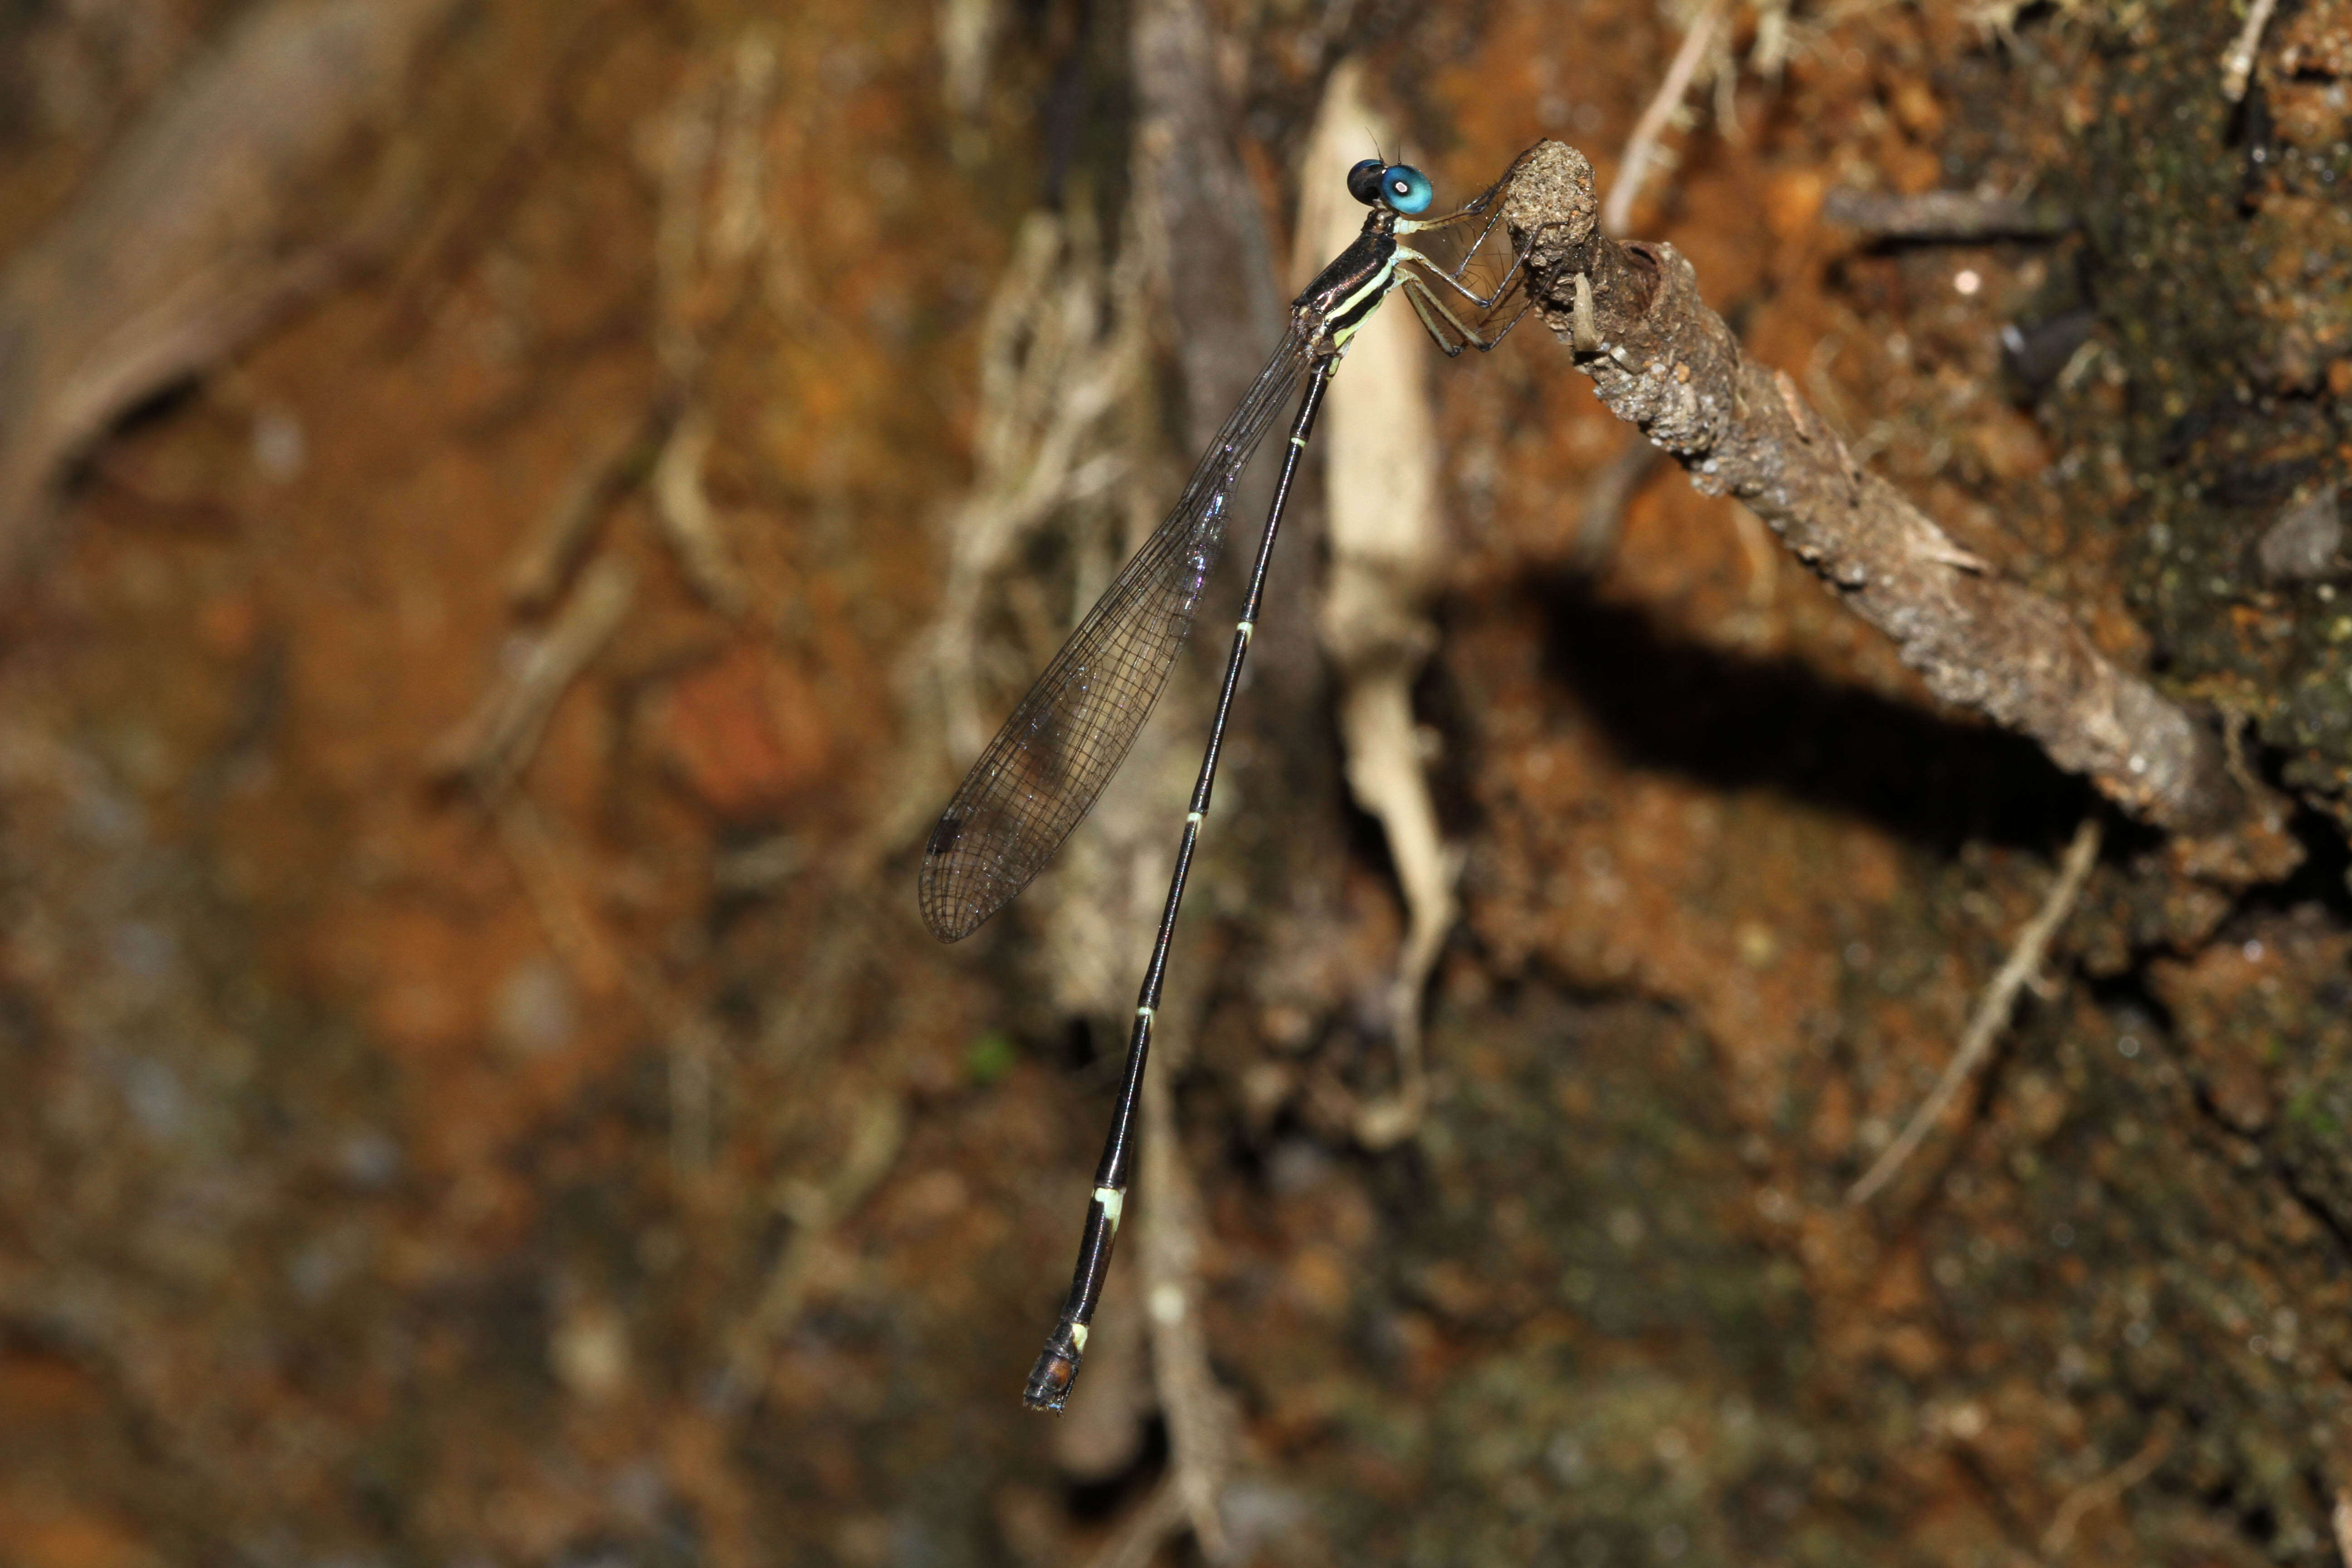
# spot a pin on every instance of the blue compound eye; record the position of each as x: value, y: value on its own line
x: 1364, y: 181
x: 1406, y: 189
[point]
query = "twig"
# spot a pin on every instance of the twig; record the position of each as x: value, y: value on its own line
x: 814, y: 1208
x: 1200, y: 1433
x: 2238, y: 59
x: 696, y: 531
x: 1992, y: 1010
x: 1146, y: 1530
x: 1634, y: 167
x: 494, y: 742
x: 2108, y: 1487
x: 1662, y: 359
x: 1957, y: 216
x: 551, y: 884
x: 560, y: 534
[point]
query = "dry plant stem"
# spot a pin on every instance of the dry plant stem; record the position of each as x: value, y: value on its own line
x: 1220, y: 264
x: 696, y: 533
x: 1378, y: 446
x: 1660, y: 359
x: 1137, y: 1541
x: 552, y: 889
x: 2107, y: 1488
x: 1201, y: 1418
x: 495, y: 743
x: 560, y: 535
x: 1952, y: 216
x: 815, y: 1209
x: 1199, y: 212
x: 1384, y: 775
x: 2238, y: 59
x: 1642, y: 147
x: 1992, y: 1010
x: 1053, y: 380
x: 713, y: 225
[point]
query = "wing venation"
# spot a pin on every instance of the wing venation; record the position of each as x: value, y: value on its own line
x: 1041, y: 773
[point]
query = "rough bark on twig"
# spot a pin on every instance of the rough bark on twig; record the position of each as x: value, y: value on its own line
x: 1661, y: 359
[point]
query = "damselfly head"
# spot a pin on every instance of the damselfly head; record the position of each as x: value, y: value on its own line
x: 1400, y: 187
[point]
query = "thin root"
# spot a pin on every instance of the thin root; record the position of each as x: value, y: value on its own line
x: 492, y: 744
x: 1640, y: 147
x: 1992, y: 1012
x: 2106, y: 1489
x: 1201, y: 1437
x: 2238, y: 59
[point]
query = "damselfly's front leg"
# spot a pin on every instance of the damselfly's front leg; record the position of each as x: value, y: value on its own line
x: 1417, y: 276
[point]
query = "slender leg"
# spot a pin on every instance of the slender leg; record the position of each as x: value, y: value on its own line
x: 1435, y: 319
x: 1452, y: 277
x: 1432, y: 310
x: 1058, y: 1363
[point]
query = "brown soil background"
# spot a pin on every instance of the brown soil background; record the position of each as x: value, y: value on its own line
x: 391, y: 1172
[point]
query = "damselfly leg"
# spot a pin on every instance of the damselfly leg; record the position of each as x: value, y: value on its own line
x: 1449, y: 331
x: 1456, y: 280
x: 1044, y: 769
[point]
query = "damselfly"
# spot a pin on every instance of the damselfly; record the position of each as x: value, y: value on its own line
x: 1060, y: 747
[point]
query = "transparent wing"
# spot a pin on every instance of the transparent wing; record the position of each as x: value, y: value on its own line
x: 1460, y: 273
x: 1041, y: 772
